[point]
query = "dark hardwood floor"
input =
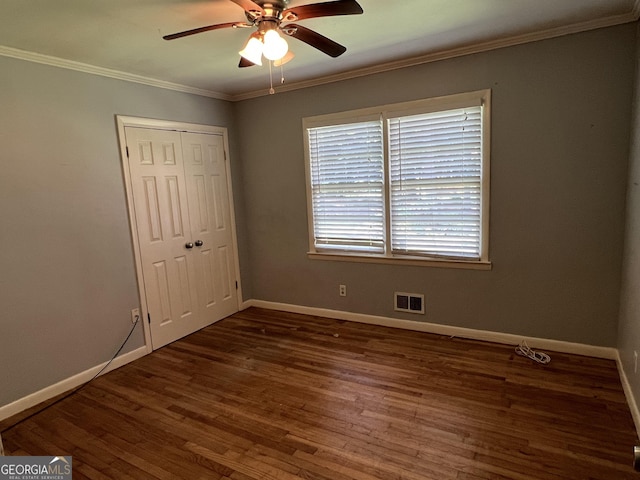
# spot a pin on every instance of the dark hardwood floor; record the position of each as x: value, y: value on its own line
x: 279, y: 396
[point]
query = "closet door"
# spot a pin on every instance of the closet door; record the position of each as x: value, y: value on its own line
x: 184, y: 229
x: 205, y: 169
x: 164, y: 232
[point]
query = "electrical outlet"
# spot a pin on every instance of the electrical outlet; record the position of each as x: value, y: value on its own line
x: 343, y: 290
x: 135, y: 315
x: 635, y: 361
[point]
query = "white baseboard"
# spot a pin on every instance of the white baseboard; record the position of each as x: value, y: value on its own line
x: 631, y: 401
x: 67, y: 384
x: 608, y: 353
x: 497, y: 337
x: 485, y: 335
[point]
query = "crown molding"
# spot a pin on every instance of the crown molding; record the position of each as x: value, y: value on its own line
x: 611, y: 21
x: 456, y: 52
x: 106, y: 72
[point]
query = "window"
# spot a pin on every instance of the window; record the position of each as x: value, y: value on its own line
x: 404, y: 182
x: 347, y: 187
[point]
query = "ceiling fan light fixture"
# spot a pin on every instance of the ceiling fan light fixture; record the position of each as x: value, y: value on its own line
x: 268, y: 16
x: 253, y: 50
x: 275, y: 47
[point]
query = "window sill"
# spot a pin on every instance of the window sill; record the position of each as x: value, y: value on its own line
x: 412, y: 261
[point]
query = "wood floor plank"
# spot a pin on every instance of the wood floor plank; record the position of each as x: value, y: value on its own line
x: 267, y: 395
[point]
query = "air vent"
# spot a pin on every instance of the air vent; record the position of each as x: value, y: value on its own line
x: 408, y: 302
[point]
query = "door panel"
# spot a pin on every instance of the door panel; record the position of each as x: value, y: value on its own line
x: 219, y: 202
x: 209, y: 274
x: 176, y: 199
x: 206, y: 177
x: 162, y: 219
x: 159, y: 285
x: 152, y: 210
x: 225, y: 271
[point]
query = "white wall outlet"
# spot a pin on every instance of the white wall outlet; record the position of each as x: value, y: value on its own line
x: 635, y: 361
x: 343, y: 290
x: 135, y: 315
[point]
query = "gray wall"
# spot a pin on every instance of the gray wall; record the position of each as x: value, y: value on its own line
x: 561, y: 112
x: 560, y: 143
x: 629, y: 328
x: 67, y: 278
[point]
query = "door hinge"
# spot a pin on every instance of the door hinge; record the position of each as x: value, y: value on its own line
x: 225, y: 155
x: 127, y: 149
x: 236, y: 284
x: 149, y: 318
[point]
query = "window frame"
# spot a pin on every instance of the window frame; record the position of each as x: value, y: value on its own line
x: 429, y: 105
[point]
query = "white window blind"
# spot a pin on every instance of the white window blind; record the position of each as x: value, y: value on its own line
x: 435, y: 183
x: 406, y: 183
x: 347, y: 186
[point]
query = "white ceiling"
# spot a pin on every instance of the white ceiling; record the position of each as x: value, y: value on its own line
x: 122, y: 38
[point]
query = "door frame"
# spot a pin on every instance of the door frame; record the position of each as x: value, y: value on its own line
x: 124, y: 121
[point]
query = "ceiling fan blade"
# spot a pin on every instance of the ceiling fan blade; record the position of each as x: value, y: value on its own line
x: 308, y: 36
x: 326, y: 9
x: 249, y: 5
x: 208, y: 28
x: 245, y: 63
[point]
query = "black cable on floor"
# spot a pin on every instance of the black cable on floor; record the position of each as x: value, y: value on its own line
x: 77, y: 389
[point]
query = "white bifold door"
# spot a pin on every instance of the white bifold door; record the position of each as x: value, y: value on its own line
x: 183, y: 226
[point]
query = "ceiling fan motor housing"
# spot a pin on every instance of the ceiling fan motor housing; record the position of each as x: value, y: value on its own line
x: 271, y: 15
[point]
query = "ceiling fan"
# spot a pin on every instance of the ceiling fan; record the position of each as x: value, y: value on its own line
x: 272, y: 18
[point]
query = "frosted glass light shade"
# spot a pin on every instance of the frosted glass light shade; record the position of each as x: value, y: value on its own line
x: 253, y: 51
x: 275, y: 47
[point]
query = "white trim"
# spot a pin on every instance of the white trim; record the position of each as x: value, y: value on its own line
x: 392, y: 110
x: 232, y: 216
x: 106, y: 72
x: 485, y: 199
x: 628, y: 393
x: 124, y: 121
x: 141, y: 122
x: 381, y: 116
x: 609, y: 353
x: 455, y: 52
x: 67, y: 384
x: 610, y: 21
x: 70, y: 383
x: 144, y: 309
x: 397, y: 260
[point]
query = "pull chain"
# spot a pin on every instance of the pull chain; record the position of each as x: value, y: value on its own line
x: 271, y: 90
